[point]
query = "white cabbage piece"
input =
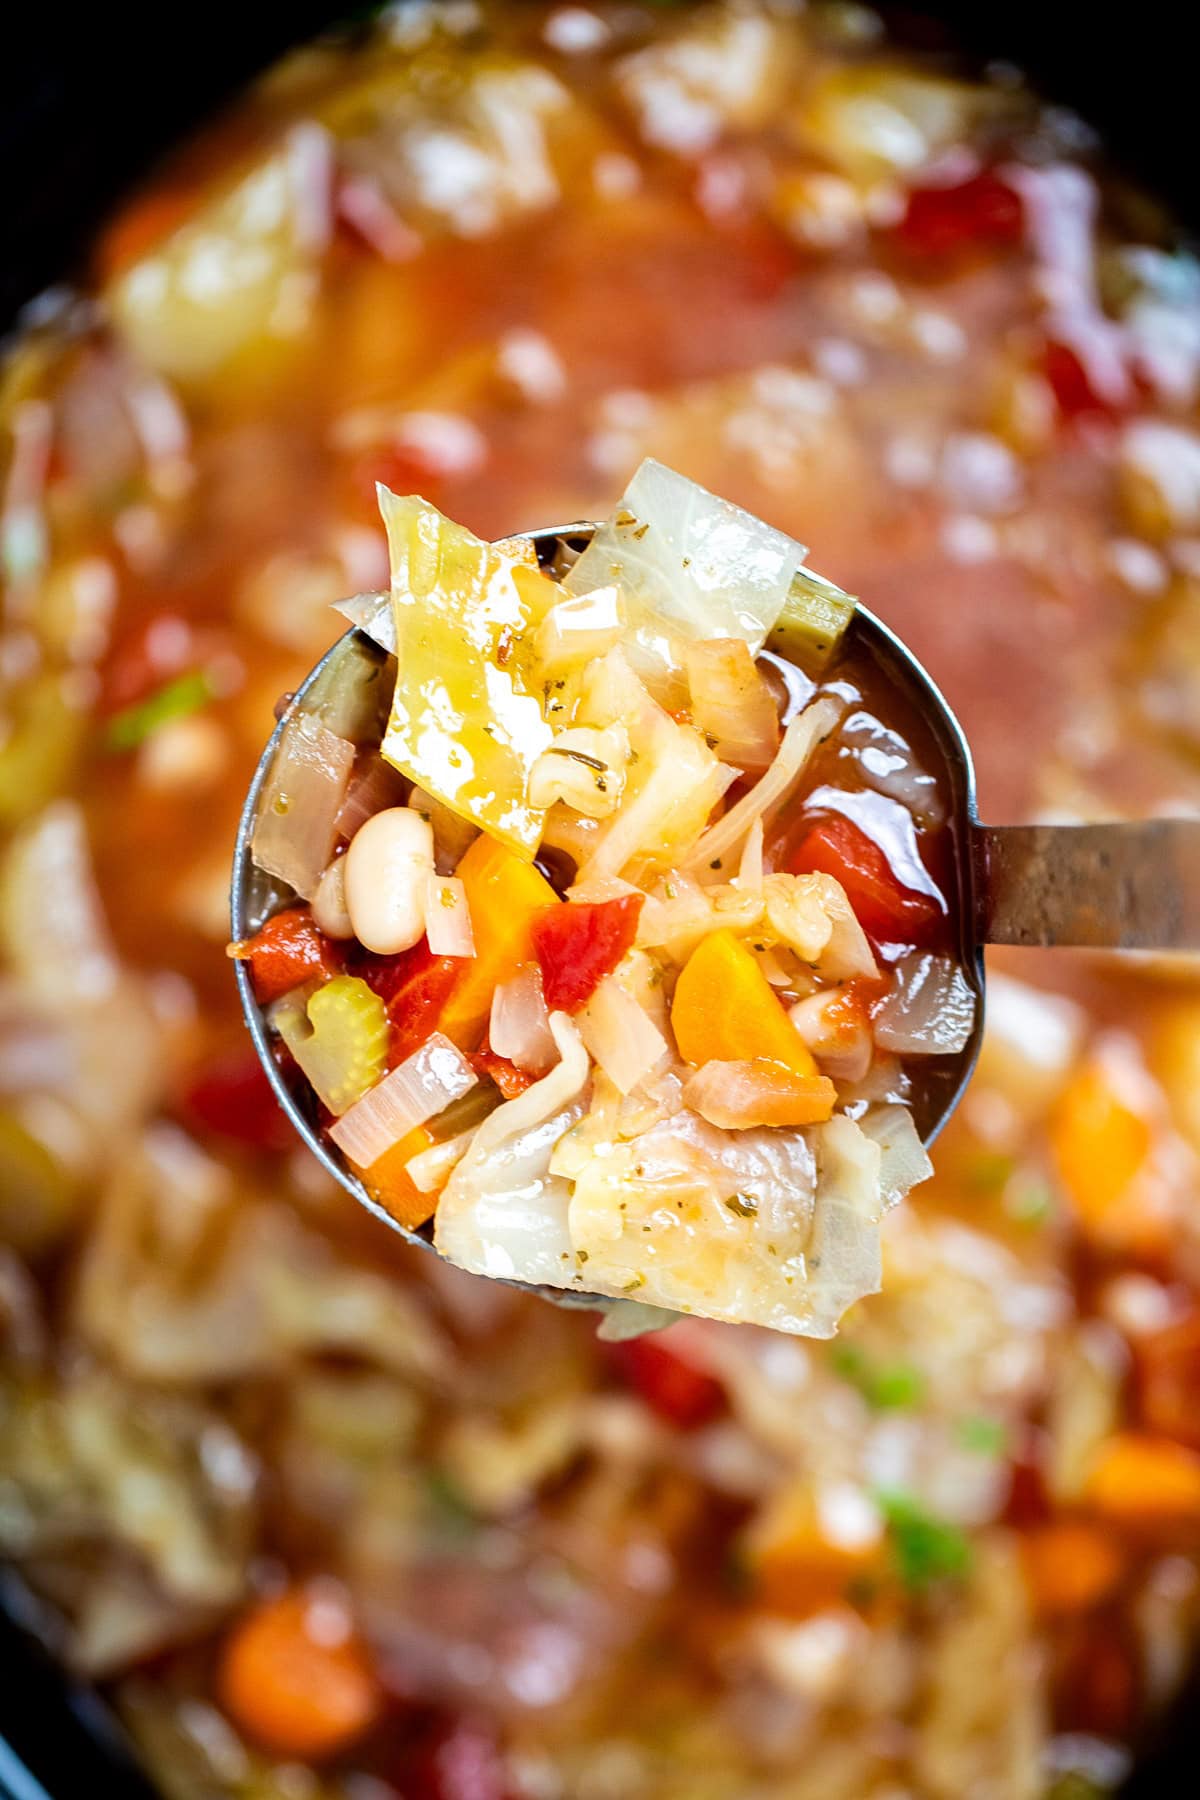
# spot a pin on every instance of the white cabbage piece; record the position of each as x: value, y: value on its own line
x: 845, y: 1256
x: 904, y: 1161
x: 672, y: 781
x: 689, y: 567
x: 502, y: 1212
x: 700, y: 1220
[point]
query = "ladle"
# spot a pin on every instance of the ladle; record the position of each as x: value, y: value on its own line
x: 1120, y: 886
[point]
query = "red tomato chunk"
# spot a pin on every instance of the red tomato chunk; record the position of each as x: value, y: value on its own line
x: 231, y: 1098
x: 941, y: 220
x: 289, y: 950
x: 671, y: 1386
x: 414, y: 986
x: 887, y: 911
x: 578, y: 944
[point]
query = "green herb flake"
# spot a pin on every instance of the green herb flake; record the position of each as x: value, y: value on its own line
x: 925, y: 1549
x: 989, y: 1172
x: 984, y: 1435
x: 1030, y: 1201
x: 450, y: 1513
x: 889, y: 1387
x: 188, y: 693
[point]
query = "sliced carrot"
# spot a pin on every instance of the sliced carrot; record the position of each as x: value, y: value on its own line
x: 389, y: 1182
x: 725, y: 1010
x: 1070, y: 1566
x: 505, y: 895
x: 1145, y: 1483
x: 1101, y: 1144
x: 801, y: 1564
x: 294, y: 1676
x: 738, y: 1095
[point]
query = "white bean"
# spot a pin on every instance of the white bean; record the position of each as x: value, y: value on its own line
x: 329, y: 902
x: 388, y: 866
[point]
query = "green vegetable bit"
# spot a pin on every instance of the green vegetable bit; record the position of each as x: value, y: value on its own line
x: 338, y: 1036
x: 186, y: 694
x: 925, y: 1549
x: 987, y: 1437
x: 887, y: 1386
x: 814, y: 618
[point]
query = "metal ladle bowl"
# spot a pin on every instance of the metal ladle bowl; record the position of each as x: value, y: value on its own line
x: 1129, y: 886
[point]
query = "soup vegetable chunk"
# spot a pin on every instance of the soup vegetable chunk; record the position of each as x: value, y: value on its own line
x: 321, y: 1515
x: 651, y: 1066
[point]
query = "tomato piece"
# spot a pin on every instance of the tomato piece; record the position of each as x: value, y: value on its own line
x: 1168, y: 1379
x: 671, y: 1385
x: 1097, y: 387
x: 414, y: 986
x: 458, y: 1759
x: 984, y: 211
x: 1096, y: 1681
x: 580, y: 943
x: 888, y: 911
x: 289, y: 950
x: 230, y: 1097
x: 508, y: 1078
x: 1028, y: 1502
x: 145, y: 659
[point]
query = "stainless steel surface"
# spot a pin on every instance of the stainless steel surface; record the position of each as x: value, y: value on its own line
x: 1123, y: 886
x: 1120, y: 886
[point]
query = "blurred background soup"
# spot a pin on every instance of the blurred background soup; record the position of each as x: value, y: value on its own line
x: 325, y: 1523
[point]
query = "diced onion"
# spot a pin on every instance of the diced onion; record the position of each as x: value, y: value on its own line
x: 620, y: 1036
x: 520, y: 1024
x: 298, y: 813
x: 903, y: 1162
x: 843, y: 1050
x: 448, y: 917
x: 799, y: 741
x: 576, y: 630
x: 430, y: 1169
x: 373, y: 787
x: 750, y: 868
x: 731, y: 703
x: 930, y: 1010
x: 452, y: 834
x: 418, y: 1089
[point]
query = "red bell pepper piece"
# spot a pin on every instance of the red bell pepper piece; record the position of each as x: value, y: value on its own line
x: 414, y: 986
x: 578, y: 944
x: 230, y: 1097
x: 888, y: 911
x: 984, y: 211
x: 289, y: 950
x: 671, y: 1386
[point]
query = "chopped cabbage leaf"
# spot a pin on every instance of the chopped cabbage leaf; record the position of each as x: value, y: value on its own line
x: 502, y: 1212
x: 689, y: 567
x: 466, y: 720
x: 845, y: 1255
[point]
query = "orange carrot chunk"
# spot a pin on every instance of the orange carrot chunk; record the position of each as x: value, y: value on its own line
x: 1146, y: 1483
x: 725, y: 1010
x: 1070, y: 1566
x: 294, y: 1676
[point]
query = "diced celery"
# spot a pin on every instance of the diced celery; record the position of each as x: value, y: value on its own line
x: 815, y: 615
x: 339, y: 1037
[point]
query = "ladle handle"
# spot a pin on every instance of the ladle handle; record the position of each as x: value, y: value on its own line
x: 1132, y: 886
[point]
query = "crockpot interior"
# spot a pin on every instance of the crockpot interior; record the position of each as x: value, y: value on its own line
x: 89, y: 97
